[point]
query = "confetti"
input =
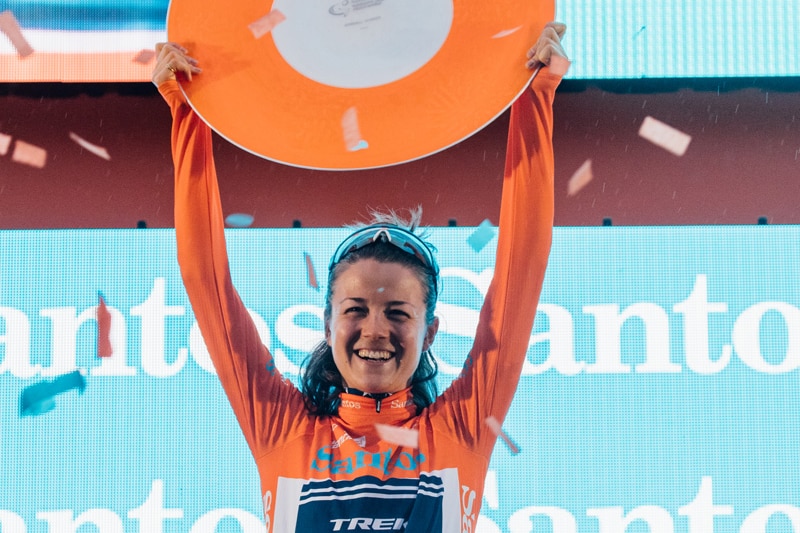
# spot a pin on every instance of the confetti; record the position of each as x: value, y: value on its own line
x: 39, y: 398
x: 495, y: 428
x: 481, y: 236
x: 104, y: 347
x: 664, y: 136
x: 29, y: 154
x: 398, y: 435
x: 352, y: 134
x: 144, y: 56
x: 10, y: 27
x: 559, y: 65
x: 99, y: 151
x: 239, y: 220
x: 312, y: 276
x: 5, y: 142
x: 505, y: 33
x: 265, y: 24
x: 580, y: 178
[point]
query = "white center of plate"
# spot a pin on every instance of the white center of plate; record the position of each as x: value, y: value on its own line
x: 355, y: 44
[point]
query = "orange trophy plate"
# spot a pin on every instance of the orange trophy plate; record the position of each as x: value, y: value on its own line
x: 353, y: 84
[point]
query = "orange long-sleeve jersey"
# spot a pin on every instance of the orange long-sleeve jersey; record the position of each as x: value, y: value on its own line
x: 333, y: 473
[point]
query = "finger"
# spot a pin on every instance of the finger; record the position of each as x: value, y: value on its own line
x: 552, y: 32
x: 559, y: 27
x: 548, y: 45
x: 545, y: 55
x: 172, y: 59
x: 542, y: 57
x: 170, y: 49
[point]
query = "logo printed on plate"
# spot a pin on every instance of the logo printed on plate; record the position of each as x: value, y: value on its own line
x: 367, y: 43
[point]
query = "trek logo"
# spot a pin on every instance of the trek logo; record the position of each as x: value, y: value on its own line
x: 368, y: 524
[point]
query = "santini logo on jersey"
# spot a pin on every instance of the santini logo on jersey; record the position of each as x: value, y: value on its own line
x: 361, y: 460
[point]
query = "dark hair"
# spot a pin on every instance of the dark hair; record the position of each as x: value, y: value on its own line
x: 321, y: 381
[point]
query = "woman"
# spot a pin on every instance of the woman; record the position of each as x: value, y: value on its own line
x: 322, y: 463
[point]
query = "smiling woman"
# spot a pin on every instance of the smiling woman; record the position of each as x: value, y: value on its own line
x: 366, y: 442
x: 379, y: 319
x: 377, y: 328
x: 377, y: 325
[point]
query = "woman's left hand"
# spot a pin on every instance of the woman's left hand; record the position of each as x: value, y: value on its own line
x: 547, y: 46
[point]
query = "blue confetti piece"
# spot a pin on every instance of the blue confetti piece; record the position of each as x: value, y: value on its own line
x: 39, y: 398
x: 482, y: 235
x: 239, y: 220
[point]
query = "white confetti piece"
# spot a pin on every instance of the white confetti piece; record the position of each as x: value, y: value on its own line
x: 29, y: 154
x: 351, y: 131
x: 580, y: 178
x: 664, y: 136
x: 494, y: 427
x: 5, y: 142
x: 398, y: 435
x: 99, y: 151
x: 506, y: 33
x: 265, y: 24
x: 10, y: 27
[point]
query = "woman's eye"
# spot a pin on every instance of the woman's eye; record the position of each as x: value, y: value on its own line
x: 397, y: 313
x: 350, y: 310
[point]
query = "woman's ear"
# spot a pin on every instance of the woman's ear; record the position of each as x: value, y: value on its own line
x: 328, y: 332
x: 430, y: 334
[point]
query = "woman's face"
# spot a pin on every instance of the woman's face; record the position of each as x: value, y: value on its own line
x: 377, y: 328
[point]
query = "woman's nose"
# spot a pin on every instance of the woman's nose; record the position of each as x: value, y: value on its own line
x: 375, y: 325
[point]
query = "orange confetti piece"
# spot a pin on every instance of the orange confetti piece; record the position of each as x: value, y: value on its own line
x: 104, y: 348
x: 144, y: 56
x: 265, y: 24
x: 10, y: 27
x: 398, y: 435
x: 494, y: 427
x: 580, y: 178
x: 29, y: 154
x: 312, y: 276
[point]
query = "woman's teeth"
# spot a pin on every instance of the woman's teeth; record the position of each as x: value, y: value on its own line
x: 375, y: 355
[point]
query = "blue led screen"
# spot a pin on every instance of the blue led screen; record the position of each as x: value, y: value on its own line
x: 660, y: 392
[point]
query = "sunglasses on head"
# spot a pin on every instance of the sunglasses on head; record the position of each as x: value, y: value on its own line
x: 395, y: 235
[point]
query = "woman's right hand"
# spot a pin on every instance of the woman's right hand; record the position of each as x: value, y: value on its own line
x: 172, y: 58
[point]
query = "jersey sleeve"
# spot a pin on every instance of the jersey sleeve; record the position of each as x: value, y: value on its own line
x: 266, y: 406
x: 491, y: 372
